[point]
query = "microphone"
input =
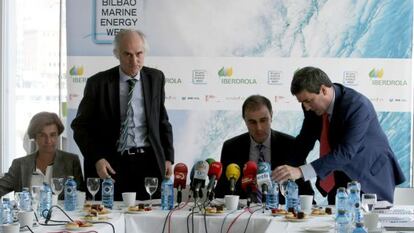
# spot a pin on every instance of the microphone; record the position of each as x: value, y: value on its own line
x: 232, y: 174
x: 248, y: 182
x: 263, y: 179
x: 200, y: 176
x: 214, y: 173
x: 180, y: 179
x: 210, y: 160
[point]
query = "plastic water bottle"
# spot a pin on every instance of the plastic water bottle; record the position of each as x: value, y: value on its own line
x: 354, y: 185
x: 359, y: 228
x: 7, y: 216
x: 272, y: 199
x: 25, y: 201
x: 167, y: 194
x: 45, y: 200
x: 342, y: 222
x: 354, y: 203
x: 70, y: 194
x: 108, y: 192
x: 341, y: 201
x: 292, y: 196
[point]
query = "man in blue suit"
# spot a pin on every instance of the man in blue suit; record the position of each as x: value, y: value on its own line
x: 353, y: 145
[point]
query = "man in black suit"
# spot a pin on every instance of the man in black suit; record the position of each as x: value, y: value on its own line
x: 257, y: 114
x: 122, y: 126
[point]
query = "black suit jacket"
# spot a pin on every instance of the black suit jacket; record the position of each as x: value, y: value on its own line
x: 237, y: 149
x: 97, y: 123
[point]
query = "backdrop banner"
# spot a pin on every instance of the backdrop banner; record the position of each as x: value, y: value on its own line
x: 216, y: 53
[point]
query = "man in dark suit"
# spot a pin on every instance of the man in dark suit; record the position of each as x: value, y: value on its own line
x: 353, y: 145
x: 122, y: 126
x: 276, y: 146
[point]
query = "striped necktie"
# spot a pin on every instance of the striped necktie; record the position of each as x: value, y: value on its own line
x: 329, y: 181
x: 128, y: 122
x: 260, y: 148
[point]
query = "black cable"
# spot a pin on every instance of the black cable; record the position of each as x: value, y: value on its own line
x: 248, y: 220
x: 26, y: 226
x: 224, y: 220
x: 202, y: 208
x: 64, y: 222
x: 188, y: 218
x: 166, y: 219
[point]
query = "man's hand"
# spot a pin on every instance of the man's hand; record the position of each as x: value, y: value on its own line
x: 168, y: 169
x: 103, y: 168
x: 285, y: 172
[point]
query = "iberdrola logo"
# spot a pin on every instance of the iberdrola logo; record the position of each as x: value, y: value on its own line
x: 376, y: 73
x: 225, y: 72
x: 76, y: 71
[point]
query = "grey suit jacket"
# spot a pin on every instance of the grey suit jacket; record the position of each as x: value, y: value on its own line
x: 21, y: 170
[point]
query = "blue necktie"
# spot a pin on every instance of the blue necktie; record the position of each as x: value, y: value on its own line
x: 128, y: 122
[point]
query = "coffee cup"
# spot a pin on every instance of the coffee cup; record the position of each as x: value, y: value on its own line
x: 129, y: 198
x: 306, y: 203
x: 26, y: 218
x: 231, y: 202
x: 371, y: 221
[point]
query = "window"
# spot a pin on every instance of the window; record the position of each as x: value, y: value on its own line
x: 31, y: 66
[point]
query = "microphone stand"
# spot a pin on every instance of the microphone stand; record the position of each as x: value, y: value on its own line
x: 179, y: 194
x: 264, y: 194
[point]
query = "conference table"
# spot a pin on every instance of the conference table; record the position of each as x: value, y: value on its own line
x: 184, y: 220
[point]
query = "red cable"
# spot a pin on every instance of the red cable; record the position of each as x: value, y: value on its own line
x: 235, y: 219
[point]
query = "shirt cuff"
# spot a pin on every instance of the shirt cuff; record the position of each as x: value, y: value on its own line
x: 308, y: 172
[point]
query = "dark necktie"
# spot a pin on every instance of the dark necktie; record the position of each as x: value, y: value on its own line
x: 260, y: 148
x: 329, y: 181
x: 123, y: 139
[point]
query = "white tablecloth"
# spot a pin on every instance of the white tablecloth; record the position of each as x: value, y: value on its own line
x: 152, y: 221
x: 148, y: 222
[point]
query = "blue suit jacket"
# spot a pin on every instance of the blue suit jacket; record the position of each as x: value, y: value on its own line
x: 359, y: 147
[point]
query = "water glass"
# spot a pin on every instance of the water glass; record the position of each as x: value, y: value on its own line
x: 93, y: 185
x: 151, y: 185
x: 369, y: 200
x: 57, y: 186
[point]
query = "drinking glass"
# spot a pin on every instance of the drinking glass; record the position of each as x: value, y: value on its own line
x: 151, y: 185
x: 57, y: 186
x: 369, y: 199
x: 282, y: 188
x: 17, y: 199
x: 35, y: 192
x: 93, y: 185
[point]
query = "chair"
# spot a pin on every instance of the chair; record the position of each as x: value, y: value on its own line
x: 404, y: 196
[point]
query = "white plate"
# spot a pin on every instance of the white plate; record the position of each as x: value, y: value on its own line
x: 378, y: 230
x: 78, y: 228
x: 296, y: 219
x: 137, y: 212
x: 320, y: 228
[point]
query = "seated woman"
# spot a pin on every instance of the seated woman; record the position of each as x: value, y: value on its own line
x: 44, y: 164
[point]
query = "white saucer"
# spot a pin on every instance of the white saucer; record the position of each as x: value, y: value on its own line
x: 378, y: 230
